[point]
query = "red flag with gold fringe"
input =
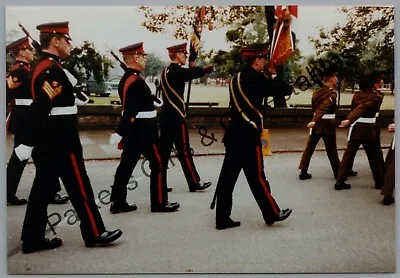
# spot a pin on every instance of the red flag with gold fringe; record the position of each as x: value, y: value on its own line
x: 196, y: 33
x: 283, y: 43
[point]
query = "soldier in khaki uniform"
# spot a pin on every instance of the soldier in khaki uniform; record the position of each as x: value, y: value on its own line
x: 389, y: 184
x: 322, y: 124
x: 362, y: 122
x: 378, y: 128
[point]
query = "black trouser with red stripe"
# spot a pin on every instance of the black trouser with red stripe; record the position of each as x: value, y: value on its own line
x: 15, y: 168
x: 132, y: 149
x: 176, y: 133
x: 71, y: 168
x: 250, y: 159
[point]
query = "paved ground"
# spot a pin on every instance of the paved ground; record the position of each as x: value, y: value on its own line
x: 329, y: 232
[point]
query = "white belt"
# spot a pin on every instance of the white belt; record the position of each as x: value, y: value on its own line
x: 360, y: 120
x: 393, y: 144
x: 328, y: 116
x: 365, y: 120
x: 67, y: 110
x: 325, y: 117
x: 146, y: 114
x: 23, y: 101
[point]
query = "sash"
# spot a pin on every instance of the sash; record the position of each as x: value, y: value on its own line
x: 172, y: 96
x: 242, y: 103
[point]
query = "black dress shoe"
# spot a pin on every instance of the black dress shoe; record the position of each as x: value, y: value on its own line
x: 342, y: 185
x: 388, y: 200
x: 229, y: 223
x: 304, y: 175
x: 283, y: 214
x: 15, y: 201
x: 167, y: 207
x: 57, y: 199
x: 201, y: 185
x: 105, y: 238
x: 169, y: 189
x: 352, y: 173
x: 46, y: 244
x: 116, y: 207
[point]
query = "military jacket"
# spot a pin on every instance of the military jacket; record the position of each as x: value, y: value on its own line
x: 136, y: 98
x: 364, y: 105
x: 248, y: 91
x: 18, y: 87
x: 324, y: 102
x: 52, y: 123
x: 173, y: 80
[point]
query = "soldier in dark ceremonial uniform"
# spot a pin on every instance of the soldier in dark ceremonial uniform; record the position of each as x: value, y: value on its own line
x: 390, y: 173
x: 248, y: 89
x: 53, y: 135
x: 138, y: 134
x: 322, y: 124
x: 362, y: 122
x: 18, y: 92
x: 173, y: 124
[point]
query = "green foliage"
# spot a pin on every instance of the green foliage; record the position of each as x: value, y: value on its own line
x: 154, y: 65
x: 85, y: 61
x: 368, y: 32
x: 247, y: 26
x: 159, y: 19
x: 226, y: 64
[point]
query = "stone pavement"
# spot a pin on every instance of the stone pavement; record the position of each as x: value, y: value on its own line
x: 329, y: 232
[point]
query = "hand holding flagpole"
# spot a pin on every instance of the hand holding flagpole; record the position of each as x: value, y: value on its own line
x: 195, y: 43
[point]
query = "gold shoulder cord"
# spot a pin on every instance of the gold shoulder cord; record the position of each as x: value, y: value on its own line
x: 247, y: 101
x: 175, y: 93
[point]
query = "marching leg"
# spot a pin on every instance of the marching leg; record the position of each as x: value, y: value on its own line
x: 230, y: 171
x: 312, y: 142
x: 129, y: 159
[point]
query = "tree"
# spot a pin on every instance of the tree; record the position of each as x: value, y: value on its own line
x: 85, y: 61
x: 366, y: 28
x: 226, y: 64
x: 154, y: 65
x: 159, y: 19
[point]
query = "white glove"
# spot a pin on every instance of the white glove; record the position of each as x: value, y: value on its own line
x: 115, y: 138
x: 156, y: 104
x: 23, y: 152
x: 79, y: 101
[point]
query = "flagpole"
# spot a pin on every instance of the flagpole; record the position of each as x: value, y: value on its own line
x: 194, y: 45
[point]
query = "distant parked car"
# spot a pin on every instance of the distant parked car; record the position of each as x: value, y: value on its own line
x: 102, y: 89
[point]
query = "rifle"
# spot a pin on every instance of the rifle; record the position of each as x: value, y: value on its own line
x: 71, y: 77
x: 122, y: 64
x: 35, y: 44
